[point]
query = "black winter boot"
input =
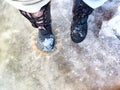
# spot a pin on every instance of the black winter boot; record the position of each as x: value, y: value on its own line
x: 46, y: 39
x: 79, y: 26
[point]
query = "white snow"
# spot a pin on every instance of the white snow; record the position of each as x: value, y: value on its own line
x: 48, y: 44
x: 111, y: 28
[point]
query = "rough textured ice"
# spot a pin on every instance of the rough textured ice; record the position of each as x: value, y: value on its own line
x: 91, y: 65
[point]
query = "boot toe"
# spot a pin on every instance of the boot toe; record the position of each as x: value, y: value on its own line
x: 77, y: 38
x: 48, y: 44
x: 79, y: 33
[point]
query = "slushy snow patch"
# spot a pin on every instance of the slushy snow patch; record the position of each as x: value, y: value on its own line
x: 48, y: 44
x: 111, y: 28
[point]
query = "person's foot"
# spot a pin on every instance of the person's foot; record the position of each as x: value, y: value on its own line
x: 45, y: 40
x: 42, y: 21
x: 79, y: 26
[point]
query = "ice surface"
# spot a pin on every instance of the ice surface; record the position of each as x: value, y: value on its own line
x: 90, y: 65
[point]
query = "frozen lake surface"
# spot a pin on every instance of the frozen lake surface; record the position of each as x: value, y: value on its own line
x: 91, y: 65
